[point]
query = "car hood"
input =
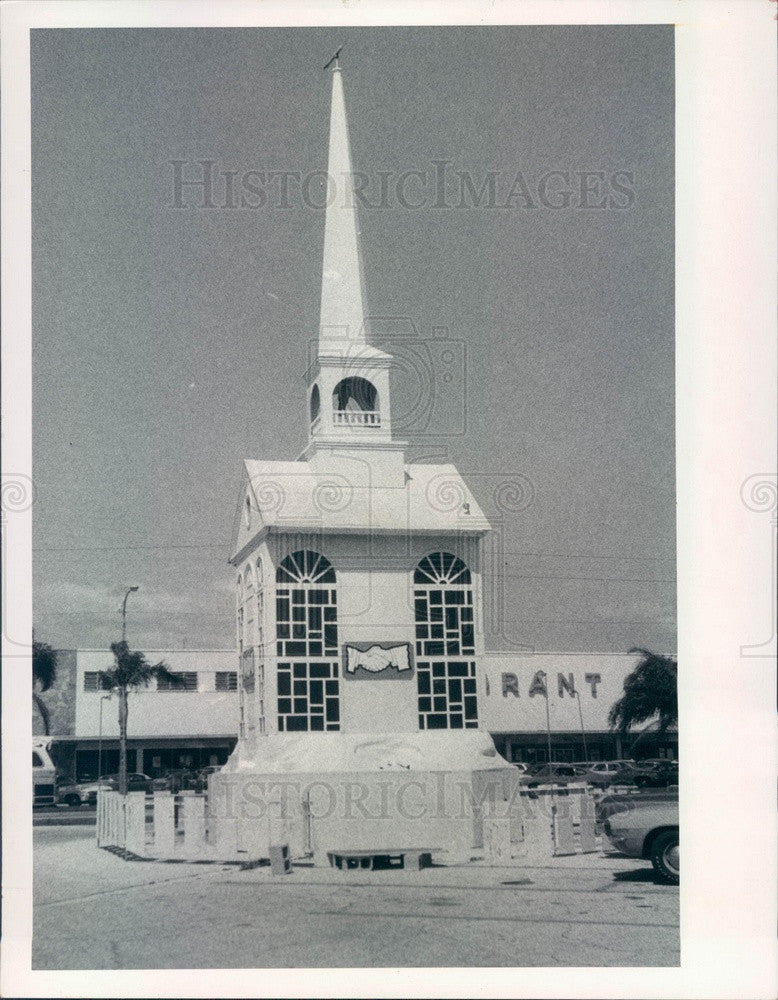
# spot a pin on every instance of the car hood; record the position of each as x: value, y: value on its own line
x: 642, y: 814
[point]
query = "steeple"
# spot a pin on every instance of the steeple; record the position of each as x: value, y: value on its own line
x: 348, y: 394
x: 343, y: 300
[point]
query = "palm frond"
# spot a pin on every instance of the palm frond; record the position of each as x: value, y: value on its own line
x: 132, y: 669
x: 44, y: 665
x: 650, y: 690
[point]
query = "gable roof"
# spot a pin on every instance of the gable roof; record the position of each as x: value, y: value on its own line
x: 292, y: 496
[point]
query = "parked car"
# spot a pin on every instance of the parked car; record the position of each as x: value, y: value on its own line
x: 135, y: 782
x: 179, y: 779
x: 552, y: 774
x: 202, y: 776
x: 610, y: 772
x: 44, y: 774
x: 648, y: 829
x: 613, y: 802
x: 664, y: 773
x: 79, y: 793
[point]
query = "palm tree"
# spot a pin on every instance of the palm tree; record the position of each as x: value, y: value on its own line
x: 650, y: 690
x: 130, y: 672
x: 44, y: 673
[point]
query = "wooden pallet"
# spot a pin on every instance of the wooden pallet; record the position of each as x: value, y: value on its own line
x: 385, y: 857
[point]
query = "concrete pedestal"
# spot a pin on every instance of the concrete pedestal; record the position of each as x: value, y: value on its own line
x: 327, y: 792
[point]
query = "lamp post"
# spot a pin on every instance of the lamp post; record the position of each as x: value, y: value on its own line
x: 103, y: 697
x: 583, y: 731
x: 548, y: 718
x: 130, y: 590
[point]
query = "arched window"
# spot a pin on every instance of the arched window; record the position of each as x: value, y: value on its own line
x: 315, y: 403
x: 260, y: 609
x: 260, y: 666
x: 307, y: 644
x: 239, y: 602
x: 445, y: 643
x: 355, y: 403
x: 248, y: 607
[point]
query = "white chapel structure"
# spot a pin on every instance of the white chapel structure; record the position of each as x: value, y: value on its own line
x: 359, y: 609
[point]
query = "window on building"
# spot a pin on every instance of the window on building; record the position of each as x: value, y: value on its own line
x: 226, y: 680
x: 445, y: 643
x: 96, y: 680
x: 239, y: 607
x: 247, y: 671
x: 187, y: 681
x: 260, y: 609
x: 307, y: 644
x: 249, y: 608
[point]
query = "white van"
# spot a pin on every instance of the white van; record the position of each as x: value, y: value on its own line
x: 44, y: 774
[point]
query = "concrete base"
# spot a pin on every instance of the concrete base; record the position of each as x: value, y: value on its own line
x: 324, y: 792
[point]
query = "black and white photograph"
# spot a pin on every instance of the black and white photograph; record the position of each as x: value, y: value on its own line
x: 357, y: 514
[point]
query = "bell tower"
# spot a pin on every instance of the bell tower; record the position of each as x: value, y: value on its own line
x: 348, y: 381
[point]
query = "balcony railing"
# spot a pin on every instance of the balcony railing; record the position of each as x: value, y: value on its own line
x: 357, y: 418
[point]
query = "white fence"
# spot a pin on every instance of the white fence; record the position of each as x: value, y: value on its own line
x: 550, y: 821
x: 164, y: 826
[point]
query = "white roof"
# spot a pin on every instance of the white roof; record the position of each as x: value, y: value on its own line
x: 292, y: 496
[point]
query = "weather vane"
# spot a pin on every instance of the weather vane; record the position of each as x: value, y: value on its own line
x: 334, y: 59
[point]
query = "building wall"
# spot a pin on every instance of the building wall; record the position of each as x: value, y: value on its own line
x: 206, y: 712
x: 375, y: 604
x: 515, y: 702
x: 507, y: 708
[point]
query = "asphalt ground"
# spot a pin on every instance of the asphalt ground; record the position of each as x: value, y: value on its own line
x: 95, y: 911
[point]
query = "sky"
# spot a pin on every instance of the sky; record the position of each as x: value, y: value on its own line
x: 533, y: 334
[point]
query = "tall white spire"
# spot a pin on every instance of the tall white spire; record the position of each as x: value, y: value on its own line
x: 343, y: 304
x: 348, y: 381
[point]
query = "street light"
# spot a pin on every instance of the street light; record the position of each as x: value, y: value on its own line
x: 131, y: 590
x: 103, y: 697
x: 583, y: 731
x: 548, y: 719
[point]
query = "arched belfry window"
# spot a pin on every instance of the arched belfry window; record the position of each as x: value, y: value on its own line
x: 355, y: 403
x: 307, y: 644
x: 445, y: 643
x: 315, y: 404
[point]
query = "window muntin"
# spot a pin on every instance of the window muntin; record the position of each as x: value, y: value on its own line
x: 305, y: 567
x: 441, y: 569
x: 96, y: 680
x: 307, y: 644
x: 239, y: 613
x: 226, y: 680
x: 249, y: 609
x: 445, y: 641
x: 187, y: 681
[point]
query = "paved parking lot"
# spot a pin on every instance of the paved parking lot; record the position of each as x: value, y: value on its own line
x: 96, y: 911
